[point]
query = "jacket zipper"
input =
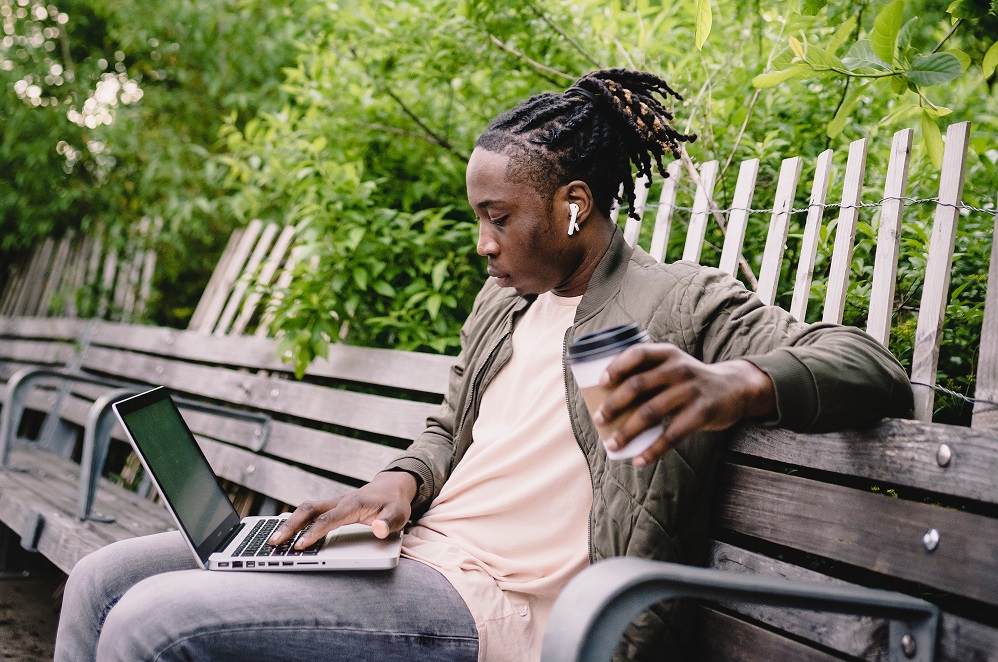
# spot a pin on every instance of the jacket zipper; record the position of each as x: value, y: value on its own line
x: 575, y: 433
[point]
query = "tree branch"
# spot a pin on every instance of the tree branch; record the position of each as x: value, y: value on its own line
x: 534, y: 63
x: 443, y: 142
x: 948, y: 35
x: 570, y: 39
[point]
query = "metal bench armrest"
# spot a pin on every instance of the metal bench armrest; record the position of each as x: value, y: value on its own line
x: 99, y: 424
x: 596, y: 607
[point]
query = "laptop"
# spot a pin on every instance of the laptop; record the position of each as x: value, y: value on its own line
x: 219, y: 539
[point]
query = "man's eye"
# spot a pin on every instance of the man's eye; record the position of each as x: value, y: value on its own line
x: 499, y: 221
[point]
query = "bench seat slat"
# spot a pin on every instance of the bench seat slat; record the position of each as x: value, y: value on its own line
x: 894, y: 451
x: 50, y: 485
x: 864, y: 529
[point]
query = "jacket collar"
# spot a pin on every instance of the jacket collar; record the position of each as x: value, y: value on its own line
x: 605, y: 281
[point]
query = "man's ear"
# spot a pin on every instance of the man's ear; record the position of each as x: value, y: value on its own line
x: 578, y: 192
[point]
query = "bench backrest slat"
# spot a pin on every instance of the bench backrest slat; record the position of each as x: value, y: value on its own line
x: 745, y: 642
x: 284, y: 482
x: 894, y: 452
x: 373, y: 413
x: 417, y: 371
x: 864, y: 529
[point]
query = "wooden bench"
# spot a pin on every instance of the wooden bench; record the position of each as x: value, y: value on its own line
x: 282, y: 439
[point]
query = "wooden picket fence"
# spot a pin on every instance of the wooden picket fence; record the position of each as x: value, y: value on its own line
x: 110, y: 279
x: 234, y: 300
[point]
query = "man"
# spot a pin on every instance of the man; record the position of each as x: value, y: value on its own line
x: 509, y: 488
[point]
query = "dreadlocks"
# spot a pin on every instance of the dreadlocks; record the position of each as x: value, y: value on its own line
x: 608, y: 120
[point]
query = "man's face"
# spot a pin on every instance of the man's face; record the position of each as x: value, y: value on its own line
x: 521, y: 232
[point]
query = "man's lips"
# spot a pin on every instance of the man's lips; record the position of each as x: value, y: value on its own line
x: 495, y: 273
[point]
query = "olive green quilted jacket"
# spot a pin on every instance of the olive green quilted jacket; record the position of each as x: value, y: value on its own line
x: 825, y: 376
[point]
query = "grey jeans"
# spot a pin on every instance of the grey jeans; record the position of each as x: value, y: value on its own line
x: 144, y: 599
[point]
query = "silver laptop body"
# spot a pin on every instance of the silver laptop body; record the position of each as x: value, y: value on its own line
x: 218, y: 538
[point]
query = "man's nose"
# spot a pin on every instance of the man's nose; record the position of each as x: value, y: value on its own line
x: 486, y: 243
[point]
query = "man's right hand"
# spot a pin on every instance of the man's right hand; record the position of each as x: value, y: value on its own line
x: 384, y: 504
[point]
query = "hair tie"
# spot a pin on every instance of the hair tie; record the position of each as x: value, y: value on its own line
x: 578, y: 91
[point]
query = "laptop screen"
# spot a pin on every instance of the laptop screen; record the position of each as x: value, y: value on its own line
x: 179, y: 468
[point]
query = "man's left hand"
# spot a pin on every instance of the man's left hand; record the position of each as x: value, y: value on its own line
x: 663, y: 383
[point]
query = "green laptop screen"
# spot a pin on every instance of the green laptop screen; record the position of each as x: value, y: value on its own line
x: 185, y: 478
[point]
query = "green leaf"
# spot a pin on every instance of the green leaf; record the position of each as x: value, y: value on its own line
x: 934, y: 69
x: 819, y: 58
x: 990, y: 62
x: 439, y: 273
x: 883, y: 36
x: 848, y: 104
x: 960, y: 55
x: 770, y: 80
x: 384, y: 288
x: 360, y: 278
x: 783, y: 59
x: 842, y: 34
x: 937, y: 111
x: 812, y: 7
x: 354, y: 237
x: 797, y: 47
x: 933, y: 139
x: 905, y: 35
x: 704, y: 20
x: 433, y: 305
x: 968, y: 9
x: 861, y: 56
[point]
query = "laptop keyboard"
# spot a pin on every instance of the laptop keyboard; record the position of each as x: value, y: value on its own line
x: 255, y: 544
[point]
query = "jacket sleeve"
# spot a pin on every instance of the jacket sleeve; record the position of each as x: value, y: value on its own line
x: 826, y: 376
x: 430, y: 457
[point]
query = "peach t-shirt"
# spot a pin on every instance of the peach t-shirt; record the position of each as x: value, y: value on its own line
x: 510, y: 526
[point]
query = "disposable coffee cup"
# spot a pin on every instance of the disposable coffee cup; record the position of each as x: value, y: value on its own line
x: 589, y: 357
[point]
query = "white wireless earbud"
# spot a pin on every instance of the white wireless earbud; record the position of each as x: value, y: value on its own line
x: 573, y: 225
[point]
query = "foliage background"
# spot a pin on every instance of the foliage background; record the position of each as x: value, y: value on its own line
x: 353, y: 121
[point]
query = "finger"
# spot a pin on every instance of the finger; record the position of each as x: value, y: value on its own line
x: 650, y: 413
x: 345, y: 512
x: 299, y: 519
x: 390, y: 519
x: 641, y: 386
x: 636, y: 358
x: 684, y: 423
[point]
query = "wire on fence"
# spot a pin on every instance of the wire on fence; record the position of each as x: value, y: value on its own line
x: 839, y: 205
x: 957, y: 394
